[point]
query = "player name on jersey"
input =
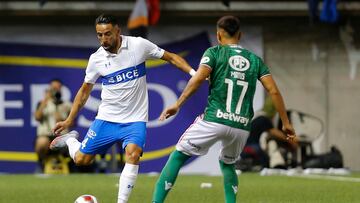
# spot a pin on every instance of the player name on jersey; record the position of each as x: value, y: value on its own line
x: 238, y: 75
x: 232, y: 117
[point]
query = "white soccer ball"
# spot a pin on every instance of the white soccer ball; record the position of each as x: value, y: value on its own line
x: 86, y: 199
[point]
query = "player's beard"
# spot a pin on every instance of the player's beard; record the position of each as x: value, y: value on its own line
x: 109, y: 47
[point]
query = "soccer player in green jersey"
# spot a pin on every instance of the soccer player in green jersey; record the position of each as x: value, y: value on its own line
x: 233, y: 73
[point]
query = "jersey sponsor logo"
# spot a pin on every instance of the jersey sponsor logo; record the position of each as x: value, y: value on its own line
x: 239, y: 63
x: 205, y: 59
x: 124, y: 75
x: 232, y: 117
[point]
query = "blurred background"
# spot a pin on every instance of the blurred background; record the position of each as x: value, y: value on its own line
x: 312, y: 49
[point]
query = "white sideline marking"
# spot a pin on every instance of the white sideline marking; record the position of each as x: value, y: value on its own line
x: 336, y: 178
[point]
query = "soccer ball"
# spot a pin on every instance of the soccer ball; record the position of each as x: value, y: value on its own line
x: 86, y: 199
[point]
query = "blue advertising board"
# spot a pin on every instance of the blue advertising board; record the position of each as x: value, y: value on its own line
x: 26, y: 69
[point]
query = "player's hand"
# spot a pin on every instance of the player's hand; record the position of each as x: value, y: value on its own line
x: 60, y: 126
x: 172, y: 110
x: 289, y: 132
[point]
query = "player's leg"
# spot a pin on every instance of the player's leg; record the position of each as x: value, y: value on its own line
x: 133, y: 137
x: 168, y: 175
x: 97, y: 140
x: 230, y: 181
x: 69, y: 139
x: 130, y: 171
x: 233, y: 144
x: 196, y: 140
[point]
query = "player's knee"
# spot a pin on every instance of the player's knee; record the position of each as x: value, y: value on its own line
x: 133, y: 153
x: 79, y: 160
x: 82, y: 160
x: 133, y: 157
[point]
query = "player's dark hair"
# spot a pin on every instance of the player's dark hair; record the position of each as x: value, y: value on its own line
x: 230, y: 24
x: 106, y: 19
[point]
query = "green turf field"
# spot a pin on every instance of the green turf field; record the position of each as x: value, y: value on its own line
x: 252, y: 188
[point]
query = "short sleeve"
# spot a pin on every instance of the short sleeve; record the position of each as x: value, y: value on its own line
x: 263, y: 69
x: 152, y: 50
x: 91, y: 72
x: 208, y: 59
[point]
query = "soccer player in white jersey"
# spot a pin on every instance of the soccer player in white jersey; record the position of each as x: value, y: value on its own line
x: 123, y: 112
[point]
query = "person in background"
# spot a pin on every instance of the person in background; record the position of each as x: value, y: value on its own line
x: 50, y: 110
x: 267, y: 145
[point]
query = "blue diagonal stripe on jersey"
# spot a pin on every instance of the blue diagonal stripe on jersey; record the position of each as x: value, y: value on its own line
x: 124, y: 75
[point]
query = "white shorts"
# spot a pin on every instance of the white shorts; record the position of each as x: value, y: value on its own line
x: 201, y: 135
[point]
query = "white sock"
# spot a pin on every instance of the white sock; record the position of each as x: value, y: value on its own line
x: 127, y: 182
x: 73, y: 146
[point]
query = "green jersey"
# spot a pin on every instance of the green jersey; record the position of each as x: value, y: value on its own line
x: 233, y: 79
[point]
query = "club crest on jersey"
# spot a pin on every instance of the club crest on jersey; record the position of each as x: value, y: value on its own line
x: 239, y: 63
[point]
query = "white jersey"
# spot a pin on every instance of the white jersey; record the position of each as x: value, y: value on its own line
x: 124, y: 95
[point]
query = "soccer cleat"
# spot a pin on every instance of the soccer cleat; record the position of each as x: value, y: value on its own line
x: 60, y: 141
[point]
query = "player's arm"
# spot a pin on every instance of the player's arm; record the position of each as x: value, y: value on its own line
x: 271, y: 87
x: 193, y: 85
x: 179, y: 62
x: 79, y: 101
x: 279, y: 135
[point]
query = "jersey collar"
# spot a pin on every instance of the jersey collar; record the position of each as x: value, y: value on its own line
x: 235, y: 45
x: 124, y: 42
